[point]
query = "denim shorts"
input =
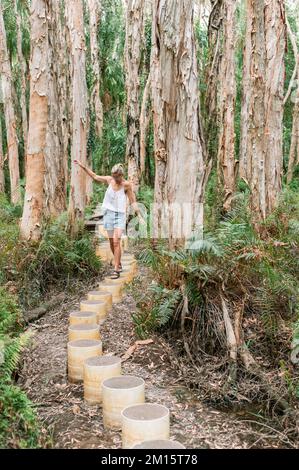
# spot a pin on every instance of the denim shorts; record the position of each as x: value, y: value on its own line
x: 113, y: 220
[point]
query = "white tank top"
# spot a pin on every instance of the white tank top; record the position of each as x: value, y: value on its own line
x: 115, y: 200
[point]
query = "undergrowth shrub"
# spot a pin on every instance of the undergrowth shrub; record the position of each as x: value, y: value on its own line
x: 32, y: 268
x: 256, y: 273
x: 19, y: 427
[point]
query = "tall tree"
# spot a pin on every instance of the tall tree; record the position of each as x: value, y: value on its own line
x: 23, y: 72
x: 294, y: 147
x: 145, y: 117
x: 10, y: 118
x: 133, y: 53
x: 74, y: 12
x: 215, y: 37
x: 262, y: 104
x: 94, y: 18
x: 38, y: 119
x: 226, y: 104
x: 2, y: 182
x: 56, y: 160
x: 180, y: 164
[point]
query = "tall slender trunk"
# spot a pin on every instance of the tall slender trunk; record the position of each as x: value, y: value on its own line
x: 145, y: 118
x: 215, y: 34
x: 74, y: 12
x: 294, y: 148
x: 56, y: 156
x: 262, y: 105
x: 226, y: 108
x: 94, y: 18
x: 38, y: 119
x: 133, y: 52
x: 180, y: 165
x: 2, y: 181
x: 10, y: 118
x: 23, y: 79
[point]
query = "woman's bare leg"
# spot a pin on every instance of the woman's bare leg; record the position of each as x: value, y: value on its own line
x: 117, y: 248
x: 111, y: 235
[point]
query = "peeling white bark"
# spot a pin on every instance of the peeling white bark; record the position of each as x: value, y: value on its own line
x: 2, y: 182
x: 180, y: 166
x: 262, y: 106
x: 74, y: 12
x: 94, y: 18
x: 10, y: 118
x: 23, y: 80
x: 56, y: 153
x: 226, y: 108
x: 38, y: 120
x: 145, y: 117
x: 133, y: 50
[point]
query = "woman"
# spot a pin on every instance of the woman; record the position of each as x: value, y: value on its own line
x: 114, y: 206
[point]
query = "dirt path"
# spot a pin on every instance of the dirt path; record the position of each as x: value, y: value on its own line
x: 73, y: 424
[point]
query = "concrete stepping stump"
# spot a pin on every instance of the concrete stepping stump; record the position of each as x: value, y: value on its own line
x: 117, y: 282
x: 86, y: 318
x: 78, y: 352
x: 119, y: 393
x: 114, y: 289
x: 145, y: 422
x: 159, y: 444
x: 102, y: 296
x: 97, y: 306
x: 96, y: 370
x: 83, y: 331
x: 132, y: 264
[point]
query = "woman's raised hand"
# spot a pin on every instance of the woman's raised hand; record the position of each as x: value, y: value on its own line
x: 76, y: 162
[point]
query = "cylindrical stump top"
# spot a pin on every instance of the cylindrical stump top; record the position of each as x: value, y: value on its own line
x: 146, y: 412
x: 96, y: 370
x: 88, y: 318
x: 97, y: 306
x: 100, y: 295
x: 159, y: 444
x: 118, y: 393
x: 124, y: 382
x: 144, y: 422
x: 102, y: 361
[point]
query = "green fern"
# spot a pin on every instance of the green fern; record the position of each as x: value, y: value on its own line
x: 13, y: 348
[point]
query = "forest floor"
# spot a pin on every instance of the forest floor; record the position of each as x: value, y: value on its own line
x: 74, y: 424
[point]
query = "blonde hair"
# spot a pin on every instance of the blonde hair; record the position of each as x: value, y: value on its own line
x: 118, y: 168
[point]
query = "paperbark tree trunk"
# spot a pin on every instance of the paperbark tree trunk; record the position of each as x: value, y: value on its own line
x: 94, y: 18
x: 10, y: 118
x: 262, y: 105
x: 38, y: 119
x: 180, y: 165
x: 294, y: 148
x: 56, y: 153
x: 79, y: 110
x: 226, y: 108
x: 23, y: 80
x: 215, y: 34
x: 133, y: 52
x: 145, y: 117
x: 2, y: 181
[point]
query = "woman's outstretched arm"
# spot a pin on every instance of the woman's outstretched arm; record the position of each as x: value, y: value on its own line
x: 94, y: 176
